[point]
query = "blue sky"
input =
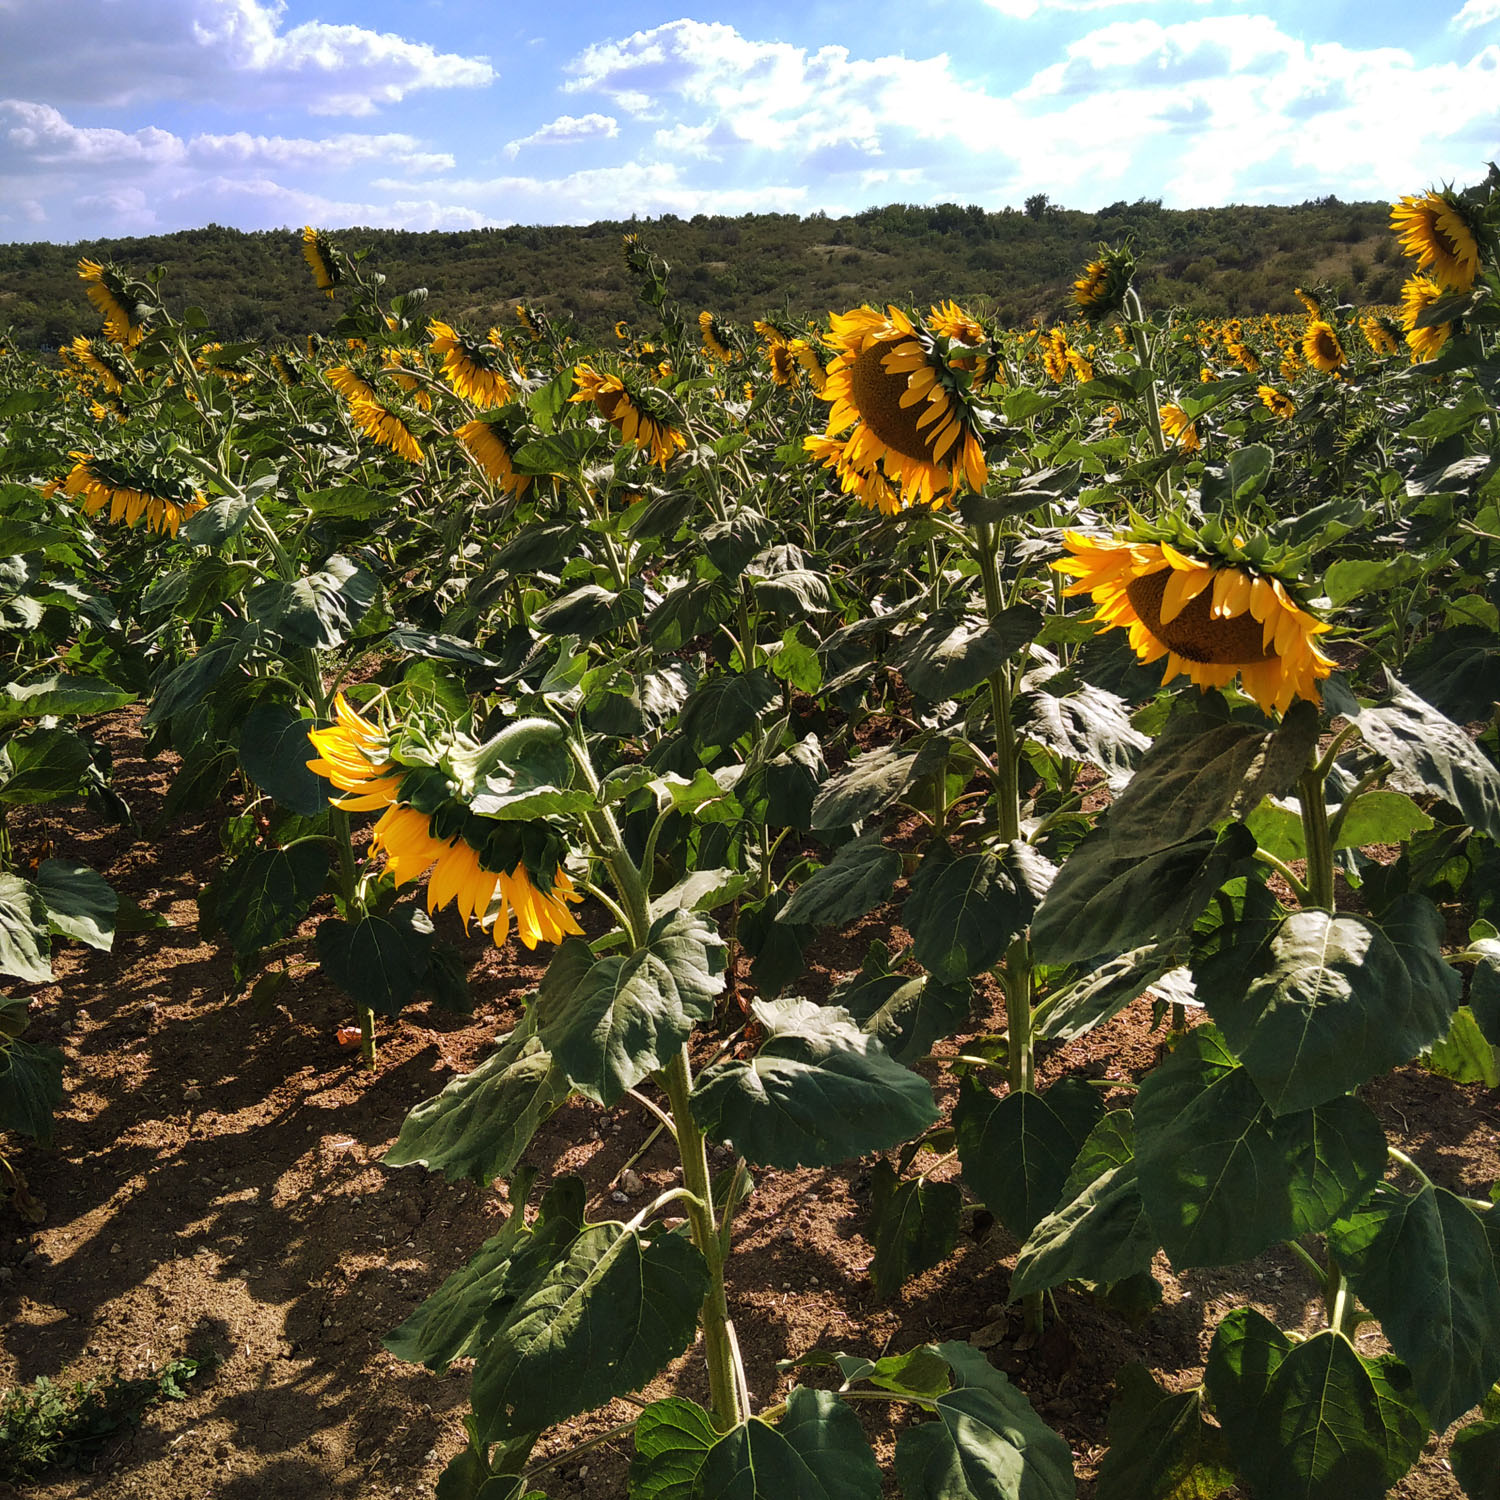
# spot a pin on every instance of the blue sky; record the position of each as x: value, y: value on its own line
x: 122, y: 117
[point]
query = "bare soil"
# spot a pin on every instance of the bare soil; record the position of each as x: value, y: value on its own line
x: 215, y: 1187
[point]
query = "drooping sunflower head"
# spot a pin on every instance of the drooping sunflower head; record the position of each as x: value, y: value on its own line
x: 1101, y: 289
x: 121, y: 302
x: 1380, y: 334
x: 715, y: 337
x: 1418, y: 297
x: 811, y: 363
x: 1278, y: 403
x: 97, y: 360
x: 161, y: 500
x: 622, y: 331
x: 635, y: 414
x: 907, y: 407
x: 785, y: 370
x: 1321, y: 347
x: 350, y: 384
x: 1434, y: 228
x: 381, y: 421
x: 1310, y: 300
x: 533, y: 320
x: 1179, y: 428
x: 492, y: 446
x: 322, y: 260
x: 1213, y: 618
x: 473, y: 369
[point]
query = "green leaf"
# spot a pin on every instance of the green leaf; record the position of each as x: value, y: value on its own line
x: 81, y: 903
x: 625, y: 1017
x: 274, y: 750
x: 587, y: 611
x: 59, y: 694
x: 31, y: 1087
x: 1016, y: 1150
x: 1322, y: 1002
x: 1310, y: 1421
x: 1380, y: 817
x: 1350, y: 577
x: 962, y: 913
x: 1107, y: 899
x: 672, y: 1438
x: 817, y: 1451
x: 1424, y: 1265
x: 215, y: 524
x: 318, y: 611
x: 866, y: 786
x: 907, y: 1015
x: 188, y: 682
x: 1094, y: 998
x: 732, y: 543
x: 913, y: 1224
x: 451, y: 1322
x: 263, y: 895
x: 380, y: 960
x: 1222, y: 1177
x: 857, y: 879
x: 539, y: 548
x: 818, y: 1091
x: 1465, y: 1055
x: 987, y: 1444
x: 1086, y: 724
x: 603, y: 1319
x: 954, y: 652
x: 42, y: 765
x: 1429, y: 749
x: 727, y: 706
x: 688, y: 611
x: 1160, y: 1448
x: 25, y: 942
x: 1475, y: 1456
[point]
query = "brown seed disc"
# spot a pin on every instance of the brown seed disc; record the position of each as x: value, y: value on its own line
x: 877, y: 396
x: 1195, y: 635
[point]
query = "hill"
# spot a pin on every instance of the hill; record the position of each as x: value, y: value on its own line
x: 1238, y: 260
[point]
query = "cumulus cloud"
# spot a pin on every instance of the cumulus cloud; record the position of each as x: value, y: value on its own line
x: 227, y: 51
x: 568, y: 130
x: 1476, y: 13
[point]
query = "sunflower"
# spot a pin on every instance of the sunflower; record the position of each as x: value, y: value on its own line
x: 626, y: 411
x: 949, y: 321
x: 1055, y: 351
x: 353, y: 754
x: 784, y: 367
x: 1434, y: 230
x: 908, y: 413
x: 622, y: 331
x: 1243, y: 356
x: 398, y: 365
x: 1212, y: 621
x: 471, y: 368
x: 164, y: 506
x: 321, y: 260
x: 348, y: 384
x: 1378, y: 334
x: 1278, y: 403
x: 488, y: 444
x: 1419, y: 294
x: 713, y: 337
x: 1311, y: 303
x: 94, y: 357
x: 119, y: 301
x: 812, y: 364
x: 385, y: 426
x: 1321, y: 347
x: 1179, y: 428
x: 284, y: 371
x: 858, y: 477
x: 531, y: 320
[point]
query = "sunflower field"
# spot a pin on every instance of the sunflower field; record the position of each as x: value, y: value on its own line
x: 1127, y: 660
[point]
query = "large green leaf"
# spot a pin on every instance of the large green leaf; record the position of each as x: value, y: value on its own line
x: 1321, y: 1002
x: 913, y: 1225
x: 1095, y: 997
x: 859, y: 877
x: 907, y: 1015
x: 672, y: 1438
x: 189, y: 681
x: 601, y: 1320
x: 1160, y: 1448
x: 319, y: 610
x: 1310, y: 1421
x: 624, y: 1017
x: 817, y: 1451
x: 483, y: 1121
x: 380, y: 960
x: 727, y: 706
x: 59, y: 694
x: 954, y: 652
x: 274, y: 752
x: 25, y: 940
x: 587, y: 611
x: 1016, y: 1150
x: 43, y: 765
x: 1475, y: 1456
x: 31, y: 1088
x: 987, y: 1444
x: 1425, y: 1266
x: 1108, y: 899
x: 81, y: 903
x: 818, y: 1091
x: 1086, y: 724
x: 1222, y: 1177
x: 1429, y: 750
x: 866, y: 786
x: 264, y: 894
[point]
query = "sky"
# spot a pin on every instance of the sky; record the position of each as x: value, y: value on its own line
x: 132, y: 117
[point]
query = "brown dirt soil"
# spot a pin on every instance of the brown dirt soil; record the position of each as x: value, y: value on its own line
x: 215, y: 1187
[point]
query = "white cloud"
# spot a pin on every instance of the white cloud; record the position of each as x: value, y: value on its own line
x: 568, y: 130
x: 225, y: 51
x: 1476, y: 13
x: 38, y: 133
x: 1024, y: 10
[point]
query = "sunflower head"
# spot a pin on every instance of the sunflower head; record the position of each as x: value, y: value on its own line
x: 1424, y: 337
x: 492, y: 446
x: 784, y: 367
x: 715, y: 337
x: 638, y: 416
x: 1278, y: 403
x: 322, y: 259
x: 1179, y: 428
x: 908, y: 408
x: 1211, y: 613
x: 1436, y: 229
x: 1101, y: 289
x: 474, y: 369
x: 122, y: 303
x: 1321, y: 347
x: 1380, y: 333
x: 161, y: 500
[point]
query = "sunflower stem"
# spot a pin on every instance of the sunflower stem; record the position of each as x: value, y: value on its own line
x: 367, y: 1036
x: 1154, y: 433
x: 1318, y: 838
